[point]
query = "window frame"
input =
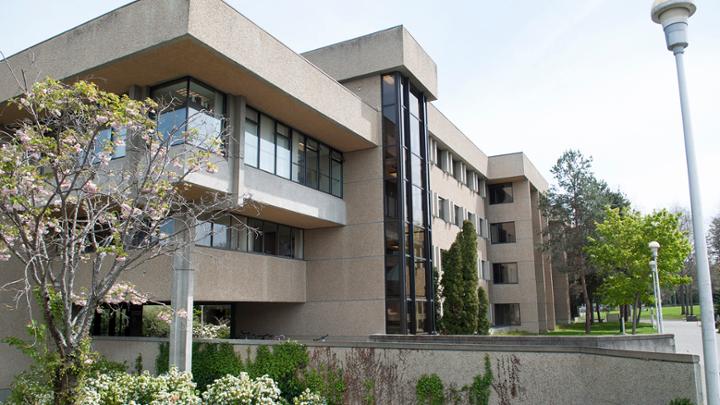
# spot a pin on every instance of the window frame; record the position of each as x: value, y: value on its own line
x: 496, y: 267
x: 499, y: 242
x: 491, y: 193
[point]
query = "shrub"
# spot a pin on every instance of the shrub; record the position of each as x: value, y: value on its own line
x: 429, y: 390
x: 210, y: 362
x: 232, y: 390
x: 483, y: 324
x: 480, y: 388
x: 283, y: 364
x: 681, y: 401
x: 121, y: 388
x: 326, y: 381
x: 308, y: 397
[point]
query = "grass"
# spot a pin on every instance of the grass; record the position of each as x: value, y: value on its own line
x: 670, y: 313
x: 599, y: 329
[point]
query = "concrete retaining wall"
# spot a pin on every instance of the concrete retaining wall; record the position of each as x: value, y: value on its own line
x: 521, y: 374
x: 643, y: 343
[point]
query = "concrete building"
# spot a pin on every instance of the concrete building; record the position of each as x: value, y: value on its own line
x: 358, y: 180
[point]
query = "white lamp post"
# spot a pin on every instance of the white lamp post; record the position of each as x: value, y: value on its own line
x: 673, y: 15
x: 654, y: 246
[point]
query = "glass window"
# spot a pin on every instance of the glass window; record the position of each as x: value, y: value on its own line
x: 459, y: 217
x: 240, y: 229
x: 189, y: 109
x: 336, y: 174
x: 414, y: 135
x: 417, y: 170
x: 203, y: 234
x: 505, y: 273
x: 392, y: 276
x: 221, y: 232
x: 418, y: 214
x: 501, y: 193
x: 311, y: 156
x: 283, y: 151
x: 391, y: 199
x: 119, y: 137
x: 324, y: 168
x: 389, y: 125
x: 298, y: 157
x: 285, y: 241
x: 255, y: 236
x: 442, y: 208
x: 392, y: 238
x: 205, y: 109
x: 420, y: 291
x: 251, y: 138
x: 503, y: 232
x: 270, y: 238
x: 507, y: 314
x: 298, y: 243
x: 419, y: 241
x: 414, y: 104
x: 267, y: 144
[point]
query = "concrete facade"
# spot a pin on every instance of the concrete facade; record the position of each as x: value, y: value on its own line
x: 332, y: 94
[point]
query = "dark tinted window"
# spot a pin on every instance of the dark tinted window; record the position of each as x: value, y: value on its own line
x: 507, y: 314
x: 505, y: 273
x: 503, y: 232
x: 501, y: 193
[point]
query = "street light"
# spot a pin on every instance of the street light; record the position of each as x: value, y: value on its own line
x: 673, y: 15
x: 654, y: 246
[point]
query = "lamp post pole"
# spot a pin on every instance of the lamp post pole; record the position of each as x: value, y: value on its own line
x: 654, y: 246
x: 674, y: 15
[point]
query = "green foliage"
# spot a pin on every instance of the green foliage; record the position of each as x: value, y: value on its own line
x: 35, y: 385
x: 326, y: 381
x: 620, y: 250
x: 681, y: 401
x: 139, y: 364
x: 284, y: 364
x: 483, y: 308
x: 459, y: 283
x: 429, y: 390
x: 437, y: 292
x: 210, y: 362
x: 242, y: 389
x: 480, y: 388
x: 369, y: 387
x: 714, y: 239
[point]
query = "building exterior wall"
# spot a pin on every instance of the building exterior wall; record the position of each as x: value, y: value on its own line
x: 333, y: 94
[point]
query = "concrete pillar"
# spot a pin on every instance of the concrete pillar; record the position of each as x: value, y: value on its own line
x: 236, y: 145
x: 181, y: 299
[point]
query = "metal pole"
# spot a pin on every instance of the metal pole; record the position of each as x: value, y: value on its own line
x: 707, y: 315
x: 656, y: 291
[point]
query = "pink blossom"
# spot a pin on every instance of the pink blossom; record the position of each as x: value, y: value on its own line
x: 101, y: 119
x: 121, y: 259
x: 90, y: 187
x: 4, y: 257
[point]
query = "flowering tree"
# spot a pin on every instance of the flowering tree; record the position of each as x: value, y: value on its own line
x: 76, y: 219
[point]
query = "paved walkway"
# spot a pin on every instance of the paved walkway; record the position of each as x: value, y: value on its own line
x: 688, y: 339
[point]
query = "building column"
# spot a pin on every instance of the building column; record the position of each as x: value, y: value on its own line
x: 182, y: 298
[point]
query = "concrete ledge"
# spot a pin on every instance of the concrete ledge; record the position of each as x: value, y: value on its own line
x: 647, y: 343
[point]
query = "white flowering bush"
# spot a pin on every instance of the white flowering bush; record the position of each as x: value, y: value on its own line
x: 241, y: 390
x: 211, y: 331
x: 309, y: 398
x: 120, y: 388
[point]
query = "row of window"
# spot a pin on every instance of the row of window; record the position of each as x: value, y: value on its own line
x: 250, y: 235
x: 278, y: 149
x: 455, y: 214
x: 447, y: 162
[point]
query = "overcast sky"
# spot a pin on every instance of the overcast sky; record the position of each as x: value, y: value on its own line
x: 516, y: 75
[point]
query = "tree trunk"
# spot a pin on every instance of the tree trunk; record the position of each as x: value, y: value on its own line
x: 639, y: 312
x: 588, y: 307
x: 589, y: 311
x: 597, y: 308
x: 635, y: 314
x: 65, y: 383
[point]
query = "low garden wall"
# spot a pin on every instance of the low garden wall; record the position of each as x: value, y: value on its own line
x: 387, y: 372
x: 645, y: 343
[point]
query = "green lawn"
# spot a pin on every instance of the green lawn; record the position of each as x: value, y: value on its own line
x: 669, y: 313
x: 612, y: 328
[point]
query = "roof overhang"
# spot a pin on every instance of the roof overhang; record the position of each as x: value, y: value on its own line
x: 151, y: 41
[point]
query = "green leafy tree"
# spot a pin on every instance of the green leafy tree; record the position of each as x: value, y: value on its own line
x: 437, y: 292
x: 483, y: 324
x: 459, y: 283
x: 64, y: 207
x: 620, y: 250
x: 572, y: 206
x: 714, y: 240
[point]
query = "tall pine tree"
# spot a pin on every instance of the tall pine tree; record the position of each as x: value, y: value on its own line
x: 483, y: 324
x: 460, y: 283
